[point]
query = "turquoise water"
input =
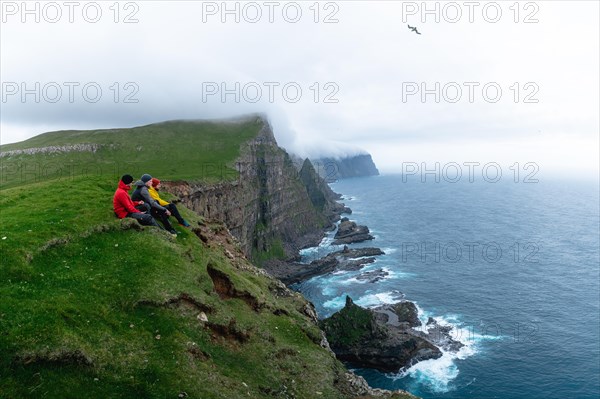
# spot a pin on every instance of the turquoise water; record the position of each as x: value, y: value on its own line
x: 513, y: 266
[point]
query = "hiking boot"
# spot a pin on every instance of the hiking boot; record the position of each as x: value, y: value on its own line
x: 173, y: 232
x: 185, y: 224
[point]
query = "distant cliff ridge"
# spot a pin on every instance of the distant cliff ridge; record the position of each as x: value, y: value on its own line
x: 332, y: 169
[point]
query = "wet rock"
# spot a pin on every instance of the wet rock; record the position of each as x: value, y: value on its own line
x: 373, y: 276
x: 442, y: 336
x: 356, y: 264
x: 346, y: 259
x: 349, y: 232
x: 407, y: 313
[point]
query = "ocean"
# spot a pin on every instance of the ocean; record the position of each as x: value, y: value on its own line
x: 513, y: 267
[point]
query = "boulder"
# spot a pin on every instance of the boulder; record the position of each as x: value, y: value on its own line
x: 349, y: 232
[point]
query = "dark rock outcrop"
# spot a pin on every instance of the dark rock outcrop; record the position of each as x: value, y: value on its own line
x: 442, y: 336
x: 403, y: 315
x: 382, y: 338
x: 346, y: 259
x: 349, y: 232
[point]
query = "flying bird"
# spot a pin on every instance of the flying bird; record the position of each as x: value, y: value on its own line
x: 414, y: 29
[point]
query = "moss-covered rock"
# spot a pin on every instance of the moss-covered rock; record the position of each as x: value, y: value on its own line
x: 360, y: 337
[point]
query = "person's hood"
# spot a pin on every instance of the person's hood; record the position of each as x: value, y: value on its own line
x: 139, y: 183
x: 123, y: 186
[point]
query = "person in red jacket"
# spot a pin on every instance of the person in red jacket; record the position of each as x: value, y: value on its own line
x: 125, y: 207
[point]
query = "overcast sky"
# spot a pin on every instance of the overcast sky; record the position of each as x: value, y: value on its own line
x: 515, y: 83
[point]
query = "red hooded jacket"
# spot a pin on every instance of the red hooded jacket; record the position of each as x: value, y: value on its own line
x: 122, y: 203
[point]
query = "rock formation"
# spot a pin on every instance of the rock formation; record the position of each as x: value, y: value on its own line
x: 384, y: 338
x: 269, y: 203
x: 346, y: 259
x: 349, y: 232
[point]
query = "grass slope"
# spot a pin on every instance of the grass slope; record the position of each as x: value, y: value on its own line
x: 92, y: 306
x: 190, y: 150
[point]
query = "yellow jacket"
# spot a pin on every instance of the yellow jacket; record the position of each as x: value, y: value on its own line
x: 156, y: 197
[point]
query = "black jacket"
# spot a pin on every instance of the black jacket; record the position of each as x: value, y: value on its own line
x: 141, y: 194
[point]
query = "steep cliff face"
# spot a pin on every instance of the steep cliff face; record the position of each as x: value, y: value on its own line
x: 267, y: 208
x: 321, y: 195
x: 332, y: 169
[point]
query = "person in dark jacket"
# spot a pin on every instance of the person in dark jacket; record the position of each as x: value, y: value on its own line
x: 159, y: 212
x: 125, y: 207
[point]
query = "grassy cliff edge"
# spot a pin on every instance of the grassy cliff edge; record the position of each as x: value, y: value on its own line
x: 97, y: 307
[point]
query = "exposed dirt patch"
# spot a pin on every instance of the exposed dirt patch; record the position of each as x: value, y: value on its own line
x: 281, y: 312
x: 225, y: 288
x: 183, y: 300
x: 199, y: 354
x: 230, y: 332
x: 285, y: 352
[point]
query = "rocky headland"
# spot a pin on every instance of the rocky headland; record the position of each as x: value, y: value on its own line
x: 275, y: 203
x: 388, y: 337
x: 385, y: 338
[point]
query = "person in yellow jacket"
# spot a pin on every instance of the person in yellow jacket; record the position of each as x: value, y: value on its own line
x: 153, y: 190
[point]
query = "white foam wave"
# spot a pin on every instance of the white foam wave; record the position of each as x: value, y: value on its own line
x: 335, y: 303
x: 339, y: 272
x: 329, y: 290
x: 437, y: 374
x: 323, y: 249
x: 467, y: 334
x: 353, y: 280
x: 389, y: 250
x: 390, y: 273
x: 381, y: 298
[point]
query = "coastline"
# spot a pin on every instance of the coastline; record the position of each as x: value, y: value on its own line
x: 396, y: 337
x: 292, y: 271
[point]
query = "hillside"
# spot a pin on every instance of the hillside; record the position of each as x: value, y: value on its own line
x: 97, y: 307
x: 191, y: 150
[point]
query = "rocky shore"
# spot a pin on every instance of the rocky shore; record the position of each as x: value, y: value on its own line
x: 387, y: 338
x: 346, y: 259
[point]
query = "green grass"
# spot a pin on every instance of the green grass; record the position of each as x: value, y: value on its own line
x: 349, y: 326
x: 77, y: 284
x: 275, y: 251
x: 187, y: 150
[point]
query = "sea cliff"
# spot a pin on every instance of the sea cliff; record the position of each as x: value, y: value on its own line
x: 271, y: 208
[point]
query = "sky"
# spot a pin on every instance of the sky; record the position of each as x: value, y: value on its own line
x: 491, y: 82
